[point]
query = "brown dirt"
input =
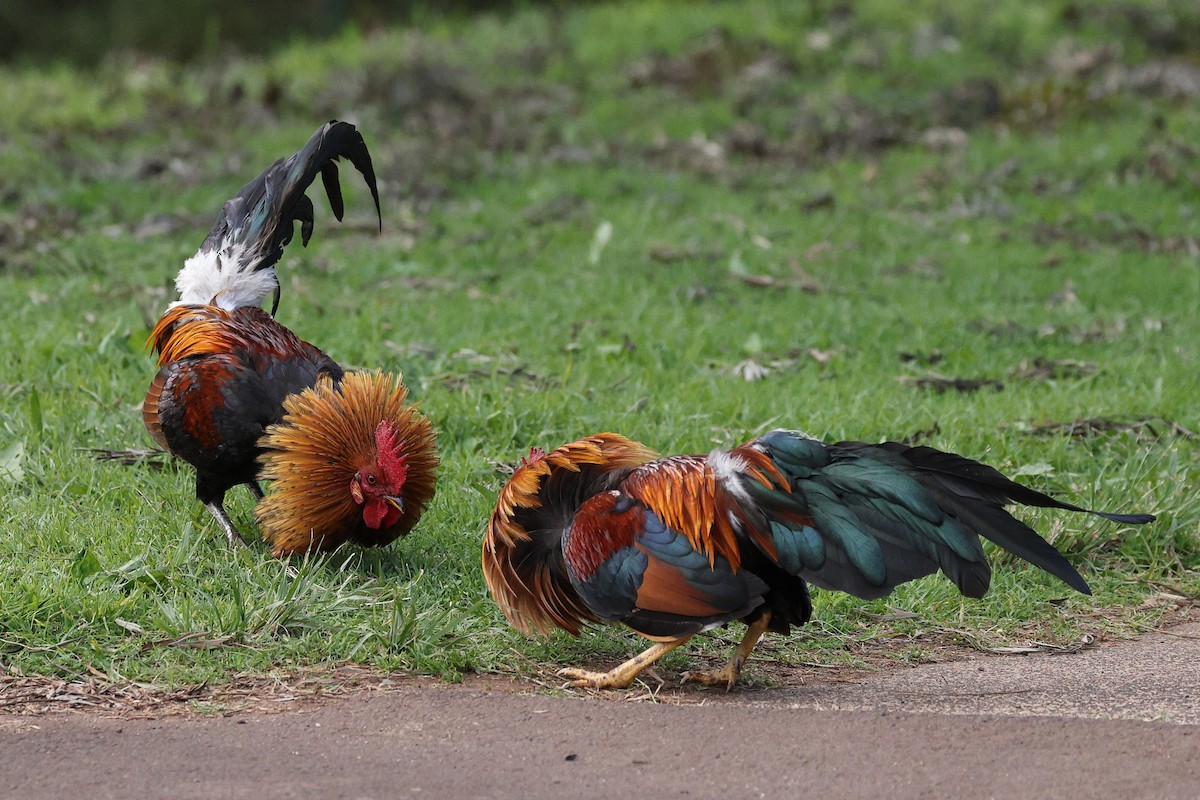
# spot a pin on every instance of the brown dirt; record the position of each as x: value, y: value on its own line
x: 1117, y: 720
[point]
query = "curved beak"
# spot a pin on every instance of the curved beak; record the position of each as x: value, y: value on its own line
x: 395, y: 502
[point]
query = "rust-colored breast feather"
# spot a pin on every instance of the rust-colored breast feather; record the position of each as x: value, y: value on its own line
x: 684, y: 493
x: 598, y: 531
x: 519, y: 568
x: 311, y: 456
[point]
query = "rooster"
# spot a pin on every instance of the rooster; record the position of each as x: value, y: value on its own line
x: 229, y: 371
x: 603, y: 530
x: 349, y: 461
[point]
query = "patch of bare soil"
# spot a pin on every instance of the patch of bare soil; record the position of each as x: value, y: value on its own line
x: 767, y: 678
x: 1071, y: 726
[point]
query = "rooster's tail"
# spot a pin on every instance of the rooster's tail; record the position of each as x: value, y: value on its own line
x: 236, y: 264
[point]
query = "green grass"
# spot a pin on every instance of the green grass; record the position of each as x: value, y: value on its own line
x: 720, y: 142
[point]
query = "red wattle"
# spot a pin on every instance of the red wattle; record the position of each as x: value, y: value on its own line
x: 375, y: 511
x: 379, y: 513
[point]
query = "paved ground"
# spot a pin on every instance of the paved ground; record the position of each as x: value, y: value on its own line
x: 1114, y: 721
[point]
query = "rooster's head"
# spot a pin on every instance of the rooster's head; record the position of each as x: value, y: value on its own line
x: 376, y: 486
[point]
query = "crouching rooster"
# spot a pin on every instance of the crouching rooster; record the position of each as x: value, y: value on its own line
x: 602, y: 530
x: 348, y: 462
x: 229, y: 371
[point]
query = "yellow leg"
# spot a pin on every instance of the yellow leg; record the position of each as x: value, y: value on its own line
x: 727, y: 676
x: 620, y: 677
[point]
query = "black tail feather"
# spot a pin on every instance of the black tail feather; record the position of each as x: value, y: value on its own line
x: 262, y: 216
x: 1009, y: 533
x: 1127, y: 519
x: 976, y: 494
x: 972, y: 479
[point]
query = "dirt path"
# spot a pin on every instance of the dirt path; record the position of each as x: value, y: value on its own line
x: 1114, y: 721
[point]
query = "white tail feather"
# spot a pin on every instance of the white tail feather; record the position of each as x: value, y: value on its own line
x: 223, y: 277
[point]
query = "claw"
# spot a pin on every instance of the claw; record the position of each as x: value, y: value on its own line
x: 727, y: 675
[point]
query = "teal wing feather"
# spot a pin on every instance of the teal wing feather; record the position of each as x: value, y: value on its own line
x: 864, y: 518
x: 628, y: 566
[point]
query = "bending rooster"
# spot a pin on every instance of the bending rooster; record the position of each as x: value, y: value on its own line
x: 227, y: 369
x: 601, y: 529
x: 348, y: 462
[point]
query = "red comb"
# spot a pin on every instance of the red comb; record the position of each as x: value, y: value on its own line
x: 536, y: 454
x: 390, y: 455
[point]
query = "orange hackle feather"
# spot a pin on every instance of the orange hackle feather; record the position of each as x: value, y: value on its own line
x: 684, y: 493
x: 311, y: 456
x: 184, y: 331
x: 196, y: 330
x: 523, y: 587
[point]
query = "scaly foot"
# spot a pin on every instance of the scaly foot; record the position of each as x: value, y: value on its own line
x: 585, y: 679
x: 620, y: 677
x: 231, y: 531
x: 726, y: 676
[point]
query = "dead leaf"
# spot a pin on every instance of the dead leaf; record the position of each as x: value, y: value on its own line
x: 816, y: 251
x: 922, y: 435
x: 929, y: 359
x: 665, y: 253
x: 1044, y: 369
x: 1104, y: 229
x: 821, y: 356
x: 750, y: 370
x: 921, y: 266
x: 802, y: 281
x: 761, y: 281
x: 945, y: 139
x: 12, y: 463
x: 600, y: 240
x: 556, y: 209
x: 1063, y: 297
x: 944, y: 383
x: 819, y: 200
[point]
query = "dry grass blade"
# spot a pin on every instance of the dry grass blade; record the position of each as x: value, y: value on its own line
x: 153, y: 456
x: 1082, y: 643
x: 802, y: 281
x: 1143, y: 428
x: 195, y: 640
x: 665, y: 253
x: 519, y: 375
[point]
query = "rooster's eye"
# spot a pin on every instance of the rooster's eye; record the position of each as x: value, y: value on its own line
x: 370, y: 478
